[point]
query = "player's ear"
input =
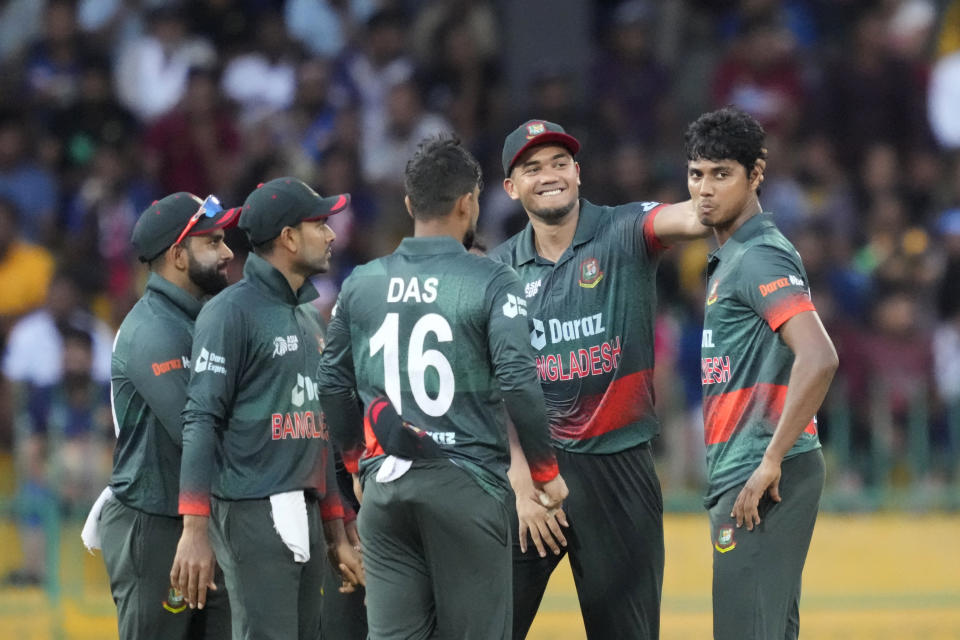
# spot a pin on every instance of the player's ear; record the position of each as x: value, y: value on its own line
x: 177, y: 254
x: 406, y: 202
x: 463, y: 204
x: 289, y: 239
x: 511, y: 189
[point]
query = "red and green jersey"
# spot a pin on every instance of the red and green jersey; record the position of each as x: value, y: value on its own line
x: 755, y: 283
x: 442, y: 334
x: 150, y: 369
x: 591, y: 315
x: 252, y: 425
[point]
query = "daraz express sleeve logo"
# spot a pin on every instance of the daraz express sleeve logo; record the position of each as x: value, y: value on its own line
x: 211, y: 362
x: 514, y: 306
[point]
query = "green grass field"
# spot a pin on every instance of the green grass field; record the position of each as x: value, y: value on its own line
x: 877, y: 577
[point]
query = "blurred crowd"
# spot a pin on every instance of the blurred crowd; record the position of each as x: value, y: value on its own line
x: 106, y: 105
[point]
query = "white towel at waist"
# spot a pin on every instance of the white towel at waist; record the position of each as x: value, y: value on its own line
x: 90, y: 534
x: 289, y: 511
x: 392, y: 468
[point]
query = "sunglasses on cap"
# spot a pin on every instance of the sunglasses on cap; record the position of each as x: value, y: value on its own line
x: 208, y: 208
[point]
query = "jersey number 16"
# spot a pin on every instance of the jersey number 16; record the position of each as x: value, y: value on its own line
x: 387, y: 338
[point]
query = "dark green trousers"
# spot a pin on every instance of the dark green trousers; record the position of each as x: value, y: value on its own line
x: 138, y: 549
x: 343, y: 615
x: 436, y: 555
x: 756, y: 574
x: 615, y: 542
x: 272, y: 597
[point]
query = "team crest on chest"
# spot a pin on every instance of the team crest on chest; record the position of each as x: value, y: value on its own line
x: 713, y: 293
x: 590, y: 273
x: 725, y: 541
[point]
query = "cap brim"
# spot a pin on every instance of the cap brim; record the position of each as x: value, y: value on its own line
x: 330, y: 206
x: 550, y: 137
x: 226, y: 219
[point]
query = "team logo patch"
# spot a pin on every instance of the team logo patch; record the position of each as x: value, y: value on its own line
x: 590, y: 273
x: 174, y: 602
x: 713, y: 293
x: 283, y: 345
x: 534, y: 129
x: 725, y: 541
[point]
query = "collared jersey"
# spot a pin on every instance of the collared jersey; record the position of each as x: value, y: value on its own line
x: 755, y: 283
x: 252, y: 395
x: 592, y: 318
x: 150, y: 370
x: 442, y: 334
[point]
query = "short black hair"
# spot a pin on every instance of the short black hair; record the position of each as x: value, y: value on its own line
x: 726, y: 134
x: 440, y: 172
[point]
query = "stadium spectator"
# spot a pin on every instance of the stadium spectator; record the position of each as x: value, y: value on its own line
x: 63, y: 435
x: 54, y: 63
x: 32, y: 187
x: 262, y: 79
x: 327, y: 27
x: 152, y: 71
x: 25, y: 269
x: 195, y: 147
x: 94, y: 119
x: 34, y: 351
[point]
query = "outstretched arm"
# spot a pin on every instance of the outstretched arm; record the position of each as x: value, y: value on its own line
x: 678, y: 222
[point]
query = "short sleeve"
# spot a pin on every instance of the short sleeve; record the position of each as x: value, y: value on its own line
x: 773, y: 283
x: 636, y: 227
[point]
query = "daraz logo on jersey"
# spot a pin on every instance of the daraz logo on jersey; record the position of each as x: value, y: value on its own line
x: 780, y: 283
x: 305, y: 389
x: 300, y: 424
x: 565, y: 330
x: 514, y: 306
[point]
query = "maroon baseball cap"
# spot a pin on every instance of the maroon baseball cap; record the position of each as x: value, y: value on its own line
x: 533, y: 133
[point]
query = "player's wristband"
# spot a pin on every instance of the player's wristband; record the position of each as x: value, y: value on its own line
x: 545, y: 471
x: 194, y: 506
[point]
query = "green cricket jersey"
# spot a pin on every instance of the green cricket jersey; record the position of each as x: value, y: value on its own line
x: 253, y: 425
x: 149, y: 374
x: 443, y: 335
x: 592, y: 317
x: 756, y: 282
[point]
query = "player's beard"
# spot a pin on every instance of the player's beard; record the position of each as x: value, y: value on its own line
x: 207, y: 277
x: 554, y: 216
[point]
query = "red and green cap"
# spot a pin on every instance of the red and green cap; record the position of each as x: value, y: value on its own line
x: 533, y: 133
x: 285, y: 202
x: 162, y: 222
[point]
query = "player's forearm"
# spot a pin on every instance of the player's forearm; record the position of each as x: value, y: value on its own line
x: 519, y: 469
x: 810, y: 380
x: 334, y: 531
x: 331, y: 505
x: 679, y: 222
x: 529, y: 415
x: 344, y: 420
x: 196, y: 465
